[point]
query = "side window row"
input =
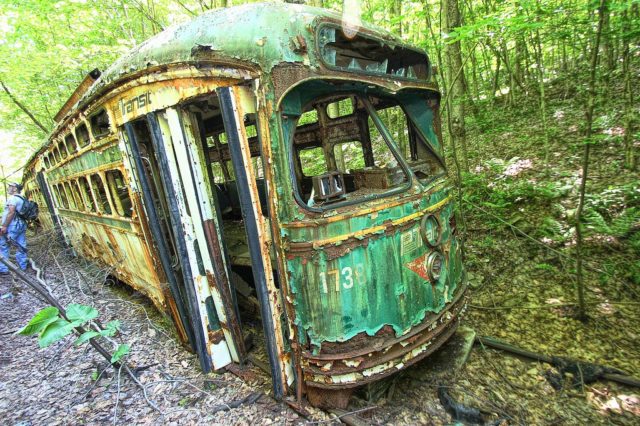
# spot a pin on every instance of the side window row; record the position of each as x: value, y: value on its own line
x: 78, y: 138
x: 104, y: 192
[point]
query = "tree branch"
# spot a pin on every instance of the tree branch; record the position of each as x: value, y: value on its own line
x: 24, y: 108
x: 39, y: 288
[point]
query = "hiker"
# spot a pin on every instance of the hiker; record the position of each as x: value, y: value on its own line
x: 13, y: 230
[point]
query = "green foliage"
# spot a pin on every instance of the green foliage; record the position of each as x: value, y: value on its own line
x: 111, y: 328
x: 81, y: 313
x: 55, y: 331
x: 40, y: 321
x: 51, y: 327
x: 613, y: 211
x: 545, y: 267
x: 491, y: 188
x: 121, y: 351
x: 86, y: 336
x: 618, y: 226
x: 551, y: 228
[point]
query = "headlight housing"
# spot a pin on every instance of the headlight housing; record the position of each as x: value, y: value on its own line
x: 435, y: 264
x: 431, y: 230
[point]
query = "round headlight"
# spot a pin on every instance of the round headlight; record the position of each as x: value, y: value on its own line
x: 431, y: 232
x: 435, y: 263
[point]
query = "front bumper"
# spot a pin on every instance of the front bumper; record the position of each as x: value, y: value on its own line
x: 383, y: 356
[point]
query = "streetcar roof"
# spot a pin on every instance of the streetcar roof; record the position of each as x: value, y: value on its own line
x: 259, y: 35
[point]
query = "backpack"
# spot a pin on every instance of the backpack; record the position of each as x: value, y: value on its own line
x: 29, y: 211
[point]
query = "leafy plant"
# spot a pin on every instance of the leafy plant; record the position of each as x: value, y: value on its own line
x: 51, y: 327
x: 619, y: 226
x: 551, y: 228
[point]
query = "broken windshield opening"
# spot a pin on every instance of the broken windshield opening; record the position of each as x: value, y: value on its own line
x: 365, y: 54
x: 351, y: 143
x: 410, y: 119
x: 344, y: 153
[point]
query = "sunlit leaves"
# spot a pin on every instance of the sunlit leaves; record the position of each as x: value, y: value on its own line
x: 81, y: 313
x: 121, y: 351
x: 52, y: 327
x: 55, y: 331
x: 40, y: 321
x: 47, y: 48
x: 86, y: 336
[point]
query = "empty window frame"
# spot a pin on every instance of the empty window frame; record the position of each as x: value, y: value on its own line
x: 349, y: 156
x: 82, y: 135
x: 77, y: 195
x: 87, y: 195
x: 312, y: 161
x: 99, y: 124
x: 61, y: 196
x: 341, y: 108
x: 70, y: 198
x: 119, y: 193
x: 56, y: 154
x: 63, y: 150
x: 356, y: 147
x: 410, y: 121
x: 222, y: 172
x: 70, y: 143
x: 309, y: 117
x: 102, y: 199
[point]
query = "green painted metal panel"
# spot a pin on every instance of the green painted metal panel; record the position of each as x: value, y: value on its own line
x: 376, y: 285
x: 353, y: 287
x: 109, y: 221
x: 87, y: 161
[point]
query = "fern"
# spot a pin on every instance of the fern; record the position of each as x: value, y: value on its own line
x: 551, y: 228
x: 621, y: 225
x: 594, y: 221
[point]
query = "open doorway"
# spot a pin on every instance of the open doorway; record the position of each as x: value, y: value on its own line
x: 206, y: 121
x: 200, y: 169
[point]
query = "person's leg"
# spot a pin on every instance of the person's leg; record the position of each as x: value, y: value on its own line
x: 4, y: 252
x: 20, y: 237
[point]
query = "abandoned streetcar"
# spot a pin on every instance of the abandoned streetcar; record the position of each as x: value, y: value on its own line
x: 266, y: 151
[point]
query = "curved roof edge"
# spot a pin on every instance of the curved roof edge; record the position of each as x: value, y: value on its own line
x: 257, y: 33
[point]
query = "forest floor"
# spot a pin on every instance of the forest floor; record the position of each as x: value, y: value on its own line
x: 519, y: 247
x: 65, y: 384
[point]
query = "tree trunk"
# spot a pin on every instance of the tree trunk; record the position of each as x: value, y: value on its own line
x: 517, y: 63
x: 607, y: 44
x: 585, y: 160
x: 543, y: 101
x: 397, y: 17
x: 439, y: 74
x: 455, y: 67
x: 630, y: 158
x: 474, y: 74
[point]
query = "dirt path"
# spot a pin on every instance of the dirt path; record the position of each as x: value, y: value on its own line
x: 64, y: 384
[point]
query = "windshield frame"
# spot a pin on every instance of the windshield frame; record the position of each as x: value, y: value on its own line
x: 386, y: 136
x: 399, y: 99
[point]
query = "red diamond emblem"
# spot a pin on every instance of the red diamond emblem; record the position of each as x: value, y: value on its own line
x: 419, y: 266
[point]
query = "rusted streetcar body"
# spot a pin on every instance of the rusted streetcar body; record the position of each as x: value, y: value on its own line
x: 271, y: 139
